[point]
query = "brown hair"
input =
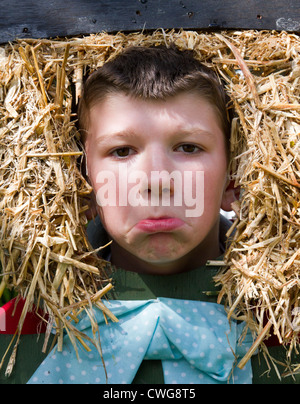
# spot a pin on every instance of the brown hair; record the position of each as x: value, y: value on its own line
x: 154, y: 73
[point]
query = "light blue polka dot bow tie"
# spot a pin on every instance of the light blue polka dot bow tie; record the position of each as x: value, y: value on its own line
x: 193, y: 339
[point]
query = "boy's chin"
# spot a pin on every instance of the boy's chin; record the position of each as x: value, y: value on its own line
x: 162, y: 254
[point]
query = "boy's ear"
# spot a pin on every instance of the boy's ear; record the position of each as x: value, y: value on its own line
x: 230, y: 195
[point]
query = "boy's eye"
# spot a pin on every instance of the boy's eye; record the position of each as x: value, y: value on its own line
x: 122, y: 152
x: 188, y: 148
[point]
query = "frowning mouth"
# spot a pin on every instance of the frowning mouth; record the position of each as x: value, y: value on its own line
x: 160, y: 224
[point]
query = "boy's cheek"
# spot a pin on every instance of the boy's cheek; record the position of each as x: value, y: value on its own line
x: 116, y: 220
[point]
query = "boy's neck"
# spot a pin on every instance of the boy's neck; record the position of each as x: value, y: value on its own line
x: 207, y: 250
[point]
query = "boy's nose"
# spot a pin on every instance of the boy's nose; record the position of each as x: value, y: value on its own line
x: 157, y: 167
x: 159, y: 184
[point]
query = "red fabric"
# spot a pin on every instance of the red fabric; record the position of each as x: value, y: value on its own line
x: 10, y: 314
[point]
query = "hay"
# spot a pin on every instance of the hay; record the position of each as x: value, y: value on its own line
x: 44, y: 251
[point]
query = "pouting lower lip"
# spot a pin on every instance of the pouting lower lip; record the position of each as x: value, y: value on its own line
x: 162, y: 224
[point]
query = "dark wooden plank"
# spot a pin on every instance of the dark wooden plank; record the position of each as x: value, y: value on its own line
x: 51, y: 18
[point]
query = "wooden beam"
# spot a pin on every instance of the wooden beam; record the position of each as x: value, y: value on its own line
x: 52, y: 18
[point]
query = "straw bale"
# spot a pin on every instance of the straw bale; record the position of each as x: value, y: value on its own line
x: 43, y: 247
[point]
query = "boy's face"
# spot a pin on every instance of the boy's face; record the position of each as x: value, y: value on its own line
x: 132, y: 144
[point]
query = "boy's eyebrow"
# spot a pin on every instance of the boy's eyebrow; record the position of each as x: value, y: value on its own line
x: 116, y: 135
x: 194, y: 131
